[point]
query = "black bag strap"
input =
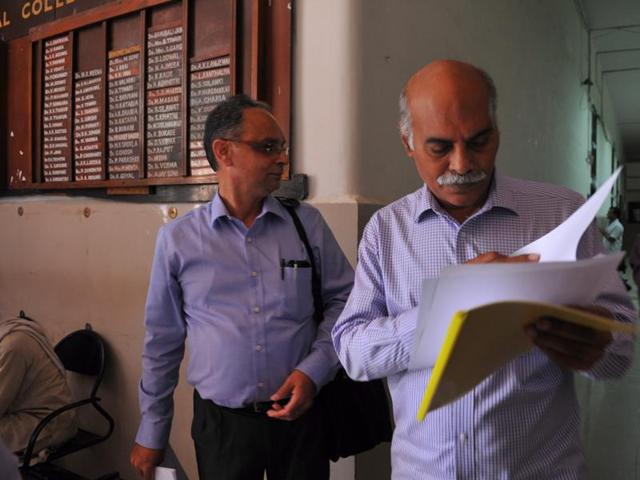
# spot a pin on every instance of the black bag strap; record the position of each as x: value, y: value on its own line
x: 290, y: 205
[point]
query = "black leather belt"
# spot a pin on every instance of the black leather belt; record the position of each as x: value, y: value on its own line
x: 257, y: 408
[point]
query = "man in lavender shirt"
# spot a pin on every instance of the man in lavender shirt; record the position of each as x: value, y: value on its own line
x: 522, y: 422
x: 233, y: 279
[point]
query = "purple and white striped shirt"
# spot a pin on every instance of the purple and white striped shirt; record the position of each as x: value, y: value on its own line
x: 522, y: 422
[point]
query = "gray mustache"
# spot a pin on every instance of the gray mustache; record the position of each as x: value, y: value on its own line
x: 450, y: 178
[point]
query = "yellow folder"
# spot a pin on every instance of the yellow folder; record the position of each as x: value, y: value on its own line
x: 483, y: 339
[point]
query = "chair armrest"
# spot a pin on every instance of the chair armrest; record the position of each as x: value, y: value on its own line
x: 28, y: 451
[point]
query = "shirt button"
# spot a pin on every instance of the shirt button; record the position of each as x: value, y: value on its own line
x: 254, y: 274
x: 260, y: 384
x: 463, y: 437
x: 249, y: 240
x: 256, y: 309
x: 258, y: 348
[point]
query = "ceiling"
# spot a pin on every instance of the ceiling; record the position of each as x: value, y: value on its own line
x: 615, y: 43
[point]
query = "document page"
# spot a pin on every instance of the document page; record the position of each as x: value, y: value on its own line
x: 463, y: 287
x: 472, y: 351
x: 561, y: 243
x: 164, y: 473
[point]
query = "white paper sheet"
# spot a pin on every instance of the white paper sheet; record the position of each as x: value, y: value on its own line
x: 561, y: 243
x: 164, y: 473
x: 461, y: 287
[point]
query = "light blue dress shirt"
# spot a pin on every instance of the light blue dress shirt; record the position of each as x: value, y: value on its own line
x: 522, y: 422
x: 247, y: 319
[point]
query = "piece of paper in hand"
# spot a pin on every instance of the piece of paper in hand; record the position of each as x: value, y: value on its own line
x: 164, y: 473
x: 561, y: 243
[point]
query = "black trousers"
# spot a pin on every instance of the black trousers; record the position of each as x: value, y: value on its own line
x: 232, y: 445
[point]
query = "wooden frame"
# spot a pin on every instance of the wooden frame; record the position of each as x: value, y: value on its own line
x: 19, y: 167
x: 3, y: 101
x: 259, y: 47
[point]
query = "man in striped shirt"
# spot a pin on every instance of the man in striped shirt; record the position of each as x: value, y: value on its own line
x: 522, y: 422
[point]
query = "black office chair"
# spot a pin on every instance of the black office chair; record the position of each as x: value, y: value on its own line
x: 82, y: 352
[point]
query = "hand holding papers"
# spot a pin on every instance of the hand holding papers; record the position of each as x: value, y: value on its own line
x: 563, y: 283
x: 477, y: 353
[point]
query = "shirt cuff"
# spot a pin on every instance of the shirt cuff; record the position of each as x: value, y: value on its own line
x: 153, y: 434
x: 319, y: 368
x: 616, y: 360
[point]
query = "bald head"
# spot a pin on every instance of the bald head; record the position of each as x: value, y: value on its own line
x: 444, y: 85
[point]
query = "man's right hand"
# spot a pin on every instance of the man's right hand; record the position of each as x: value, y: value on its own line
x: 495, y: 257
x: 145, y: 460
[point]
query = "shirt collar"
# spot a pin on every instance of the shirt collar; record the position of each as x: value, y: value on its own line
x: 501, y: 195
x: 270, y: 205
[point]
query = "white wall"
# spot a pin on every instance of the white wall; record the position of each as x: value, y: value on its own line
x: 536, y: 52
x: 325, y: 84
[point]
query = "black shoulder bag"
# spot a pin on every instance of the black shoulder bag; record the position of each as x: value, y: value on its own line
x: 356, y: 415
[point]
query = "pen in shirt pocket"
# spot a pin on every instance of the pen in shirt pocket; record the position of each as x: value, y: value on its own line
x: 298, y: 264
x: 295, y: 264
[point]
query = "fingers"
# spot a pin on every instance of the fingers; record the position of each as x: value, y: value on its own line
x: 570, y: 361
x: 295, y: 407
x: 554, y: 327
x: 284, y: 391
x: 570, y: 345
x: 528, y: 257
x: 145, y: 470
x: 149, y: 473
x: 301, y: 390
x: 495, y: 257
x: 571, y: 358
x: 145, y: 460
x: 286, y: 412
x: 290, y: 411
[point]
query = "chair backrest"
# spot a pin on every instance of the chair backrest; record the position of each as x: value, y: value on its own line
x: 83, y: 352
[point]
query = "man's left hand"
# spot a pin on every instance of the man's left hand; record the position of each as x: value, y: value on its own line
x: 301, y: 390
x: 572, y: 346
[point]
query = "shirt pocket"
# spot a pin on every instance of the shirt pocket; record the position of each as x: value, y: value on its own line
x: 296, y: 297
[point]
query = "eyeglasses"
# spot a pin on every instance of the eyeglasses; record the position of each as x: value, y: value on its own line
x: 268, y: 148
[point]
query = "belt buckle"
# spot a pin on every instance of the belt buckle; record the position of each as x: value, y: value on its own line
x: 260, y: 407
